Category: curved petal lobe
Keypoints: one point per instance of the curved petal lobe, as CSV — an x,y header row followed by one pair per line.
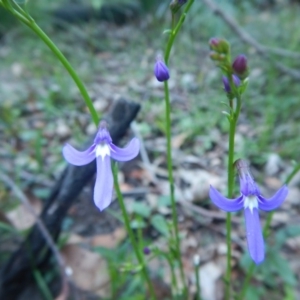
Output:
x,y
78,158
104,183
225,203
127,153
273,202
254,236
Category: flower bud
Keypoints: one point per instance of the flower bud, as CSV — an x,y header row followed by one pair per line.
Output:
x,y
220,46
161,71
226,84
213,43
223,46
146,250
214,56
175,5
239,65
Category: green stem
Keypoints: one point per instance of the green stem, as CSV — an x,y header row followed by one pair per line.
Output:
x,y
292,174
173,276
173,34
175,30
265,234
230,170
28,21
171,181
130,232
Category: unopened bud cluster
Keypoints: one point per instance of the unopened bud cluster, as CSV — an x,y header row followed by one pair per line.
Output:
x,y
237,70
220,50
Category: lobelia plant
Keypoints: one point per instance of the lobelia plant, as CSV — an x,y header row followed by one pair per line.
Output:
x,y
102,150
161,72
251,200
235,83
234,86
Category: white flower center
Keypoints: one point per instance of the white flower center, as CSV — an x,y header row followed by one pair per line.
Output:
x,y
102,150
250,202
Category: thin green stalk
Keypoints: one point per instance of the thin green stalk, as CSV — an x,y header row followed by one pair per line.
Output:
x,y
28,21
171,181
230,169
265,234
175,30
130,232
173,276
173,34
292,174
230,181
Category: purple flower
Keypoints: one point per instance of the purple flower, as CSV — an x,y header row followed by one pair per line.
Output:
x,y
251,200
102,149
161,71
226,84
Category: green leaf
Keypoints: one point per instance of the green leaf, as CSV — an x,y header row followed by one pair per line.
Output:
x,y
245,261
254,293
284,270
141,209
167,31
289,293
135,224
164,201
160,224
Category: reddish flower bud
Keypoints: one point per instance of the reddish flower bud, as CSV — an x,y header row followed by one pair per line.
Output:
x,y
239,65
220,46
213,43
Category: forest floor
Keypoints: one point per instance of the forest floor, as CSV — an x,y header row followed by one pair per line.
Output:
x,y
41,109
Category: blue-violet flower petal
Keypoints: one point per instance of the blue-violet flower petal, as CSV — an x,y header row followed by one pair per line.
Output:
x,y
273,202
102,149
124,154
224,203
78,158
255,239
251,200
